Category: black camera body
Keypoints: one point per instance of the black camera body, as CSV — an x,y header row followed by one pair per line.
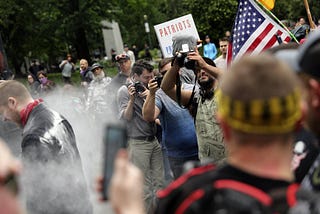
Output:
x,y
183,45
139,87
158,80
183,61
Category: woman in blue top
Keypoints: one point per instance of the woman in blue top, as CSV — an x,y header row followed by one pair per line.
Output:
x,y
209,49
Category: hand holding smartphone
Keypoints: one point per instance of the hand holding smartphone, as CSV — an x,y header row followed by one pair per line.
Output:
x,y
115,138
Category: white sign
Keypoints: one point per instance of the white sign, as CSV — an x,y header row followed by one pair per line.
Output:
x,y
180,26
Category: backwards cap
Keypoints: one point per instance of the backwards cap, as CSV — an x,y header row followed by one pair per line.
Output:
x,y
309,55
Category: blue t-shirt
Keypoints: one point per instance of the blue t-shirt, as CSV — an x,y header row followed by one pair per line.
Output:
x,y
178,130
210,51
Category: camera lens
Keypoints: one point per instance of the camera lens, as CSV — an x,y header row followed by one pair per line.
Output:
x,y
139,87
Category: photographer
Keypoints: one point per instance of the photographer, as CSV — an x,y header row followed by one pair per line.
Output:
x,y
144,149
178,130
202,101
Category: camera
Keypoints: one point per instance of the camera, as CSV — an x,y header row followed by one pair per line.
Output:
x,y
139,87
183,61
158,80
183,45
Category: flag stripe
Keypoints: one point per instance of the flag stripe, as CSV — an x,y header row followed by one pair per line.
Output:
x,y
270,43
260,38
273,41
253,31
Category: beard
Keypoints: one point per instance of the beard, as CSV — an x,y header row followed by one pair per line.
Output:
x,y
99,77
206,85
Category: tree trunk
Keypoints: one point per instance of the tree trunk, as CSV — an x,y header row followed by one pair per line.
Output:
x,y
81,45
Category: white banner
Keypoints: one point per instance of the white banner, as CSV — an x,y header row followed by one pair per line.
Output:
x,y
180,26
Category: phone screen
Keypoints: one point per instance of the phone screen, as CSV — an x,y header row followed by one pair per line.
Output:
x,y
114,139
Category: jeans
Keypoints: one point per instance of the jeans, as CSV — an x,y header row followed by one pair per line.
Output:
x,y
176,164
147,156
168,175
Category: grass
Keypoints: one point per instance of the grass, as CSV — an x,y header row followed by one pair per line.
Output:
x,y
109,69
75,78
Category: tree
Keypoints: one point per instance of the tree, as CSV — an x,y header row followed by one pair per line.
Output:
x,y
49,29
212,17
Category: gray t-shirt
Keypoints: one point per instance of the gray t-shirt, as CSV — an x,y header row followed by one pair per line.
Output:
x,y
137,127
187,76
66,69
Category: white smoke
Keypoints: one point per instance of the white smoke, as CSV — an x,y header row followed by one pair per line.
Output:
x,y
88,128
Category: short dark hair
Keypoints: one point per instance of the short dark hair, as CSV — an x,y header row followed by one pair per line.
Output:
x,y
224,39
141,65
164,61
42,72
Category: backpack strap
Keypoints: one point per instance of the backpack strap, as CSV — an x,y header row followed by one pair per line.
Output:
x,y
284,198
247,189
182,180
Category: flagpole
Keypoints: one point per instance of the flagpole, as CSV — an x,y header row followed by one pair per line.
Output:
x,y
306,4
282,25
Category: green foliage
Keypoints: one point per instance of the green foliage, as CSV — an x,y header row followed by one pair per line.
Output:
x,y
212,17
48,29
154,53
294,9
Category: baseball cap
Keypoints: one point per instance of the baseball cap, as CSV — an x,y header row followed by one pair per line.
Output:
x,y
96,65
122,57
289,56
308,56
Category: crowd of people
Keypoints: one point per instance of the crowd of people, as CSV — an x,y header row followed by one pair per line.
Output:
x,y
203,137
264,102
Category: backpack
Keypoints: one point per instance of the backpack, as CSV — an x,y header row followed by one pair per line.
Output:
x,y
226,196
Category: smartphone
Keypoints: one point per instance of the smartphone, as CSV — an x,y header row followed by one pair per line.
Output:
x,y
115,138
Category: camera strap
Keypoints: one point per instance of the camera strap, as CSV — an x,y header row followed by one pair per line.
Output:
x,y
178,91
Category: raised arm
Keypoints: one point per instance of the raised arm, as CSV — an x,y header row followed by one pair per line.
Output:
x,y
168,84
149,111
211,70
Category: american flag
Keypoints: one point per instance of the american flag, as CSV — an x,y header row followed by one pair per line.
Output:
x,y
253,31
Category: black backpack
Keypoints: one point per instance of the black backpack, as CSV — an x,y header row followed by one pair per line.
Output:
x,y
225,196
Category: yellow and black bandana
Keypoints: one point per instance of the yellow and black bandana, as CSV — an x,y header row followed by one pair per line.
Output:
x,y
271,116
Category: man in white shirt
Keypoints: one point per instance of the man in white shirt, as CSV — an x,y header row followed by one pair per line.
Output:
x,y
221,61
